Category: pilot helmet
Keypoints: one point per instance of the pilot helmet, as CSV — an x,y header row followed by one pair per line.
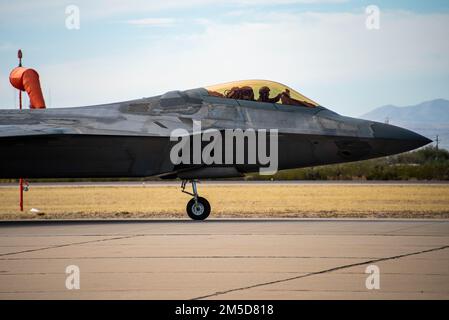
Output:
x,y
264,89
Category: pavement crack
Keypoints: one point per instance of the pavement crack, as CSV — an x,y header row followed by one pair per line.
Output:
x,y
67,245
412,227
218,293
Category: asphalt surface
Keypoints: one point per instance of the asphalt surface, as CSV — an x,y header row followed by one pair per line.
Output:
x,y
225,259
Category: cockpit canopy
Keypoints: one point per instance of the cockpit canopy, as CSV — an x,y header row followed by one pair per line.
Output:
x,y
260,91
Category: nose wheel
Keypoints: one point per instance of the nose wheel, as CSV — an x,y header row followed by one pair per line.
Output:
x,y
198,208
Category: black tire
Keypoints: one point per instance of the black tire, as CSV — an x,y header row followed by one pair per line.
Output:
x,y
200,213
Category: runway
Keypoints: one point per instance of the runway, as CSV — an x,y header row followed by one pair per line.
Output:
x,y
225,259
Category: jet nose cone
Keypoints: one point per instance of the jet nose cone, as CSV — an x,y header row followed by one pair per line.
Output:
x,y
396,140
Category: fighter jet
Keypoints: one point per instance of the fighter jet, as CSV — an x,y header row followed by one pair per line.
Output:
x,y
138,138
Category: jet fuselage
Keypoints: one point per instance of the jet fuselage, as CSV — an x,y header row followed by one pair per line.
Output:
x,y
132,138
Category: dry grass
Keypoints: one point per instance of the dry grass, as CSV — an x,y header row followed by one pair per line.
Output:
x,y
397,201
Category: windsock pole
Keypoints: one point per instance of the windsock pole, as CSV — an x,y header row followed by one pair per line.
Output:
x,y
19,55
21,193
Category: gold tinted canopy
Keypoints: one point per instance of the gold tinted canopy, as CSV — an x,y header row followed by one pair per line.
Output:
x,y
260,91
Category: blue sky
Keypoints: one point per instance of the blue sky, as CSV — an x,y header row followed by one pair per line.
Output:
x,y
130,49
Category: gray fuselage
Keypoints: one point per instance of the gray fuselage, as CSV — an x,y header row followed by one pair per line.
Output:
x,y
132,138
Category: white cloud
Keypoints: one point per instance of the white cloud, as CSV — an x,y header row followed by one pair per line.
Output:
x,y
159,22
143,5
51,11
6,46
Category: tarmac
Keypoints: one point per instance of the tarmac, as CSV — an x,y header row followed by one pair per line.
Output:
x,y
225,259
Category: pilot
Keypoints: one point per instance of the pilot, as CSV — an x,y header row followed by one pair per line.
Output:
x,y
264,95
233,93
246,93
242,93
287,99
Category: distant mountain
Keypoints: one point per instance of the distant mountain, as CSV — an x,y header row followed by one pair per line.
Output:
x,y
430,118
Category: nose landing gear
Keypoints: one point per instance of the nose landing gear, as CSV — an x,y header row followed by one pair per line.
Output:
x,y
198,208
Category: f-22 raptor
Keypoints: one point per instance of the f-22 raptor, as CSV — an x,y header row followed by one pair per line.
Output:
x,y
136,138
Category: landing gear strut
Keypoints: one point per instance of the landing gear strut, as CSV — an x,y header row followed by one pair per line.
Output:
x,y
198,208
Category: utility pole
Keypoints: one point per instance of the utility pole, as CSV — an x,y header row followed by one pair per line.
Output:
x,y
437,140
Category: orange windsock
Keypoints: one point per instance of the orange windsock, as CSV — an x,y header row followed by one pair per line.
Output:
x,y
28,80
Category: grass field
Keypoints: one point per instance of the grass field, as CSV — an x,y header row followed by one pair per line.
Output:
x,y
396,201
